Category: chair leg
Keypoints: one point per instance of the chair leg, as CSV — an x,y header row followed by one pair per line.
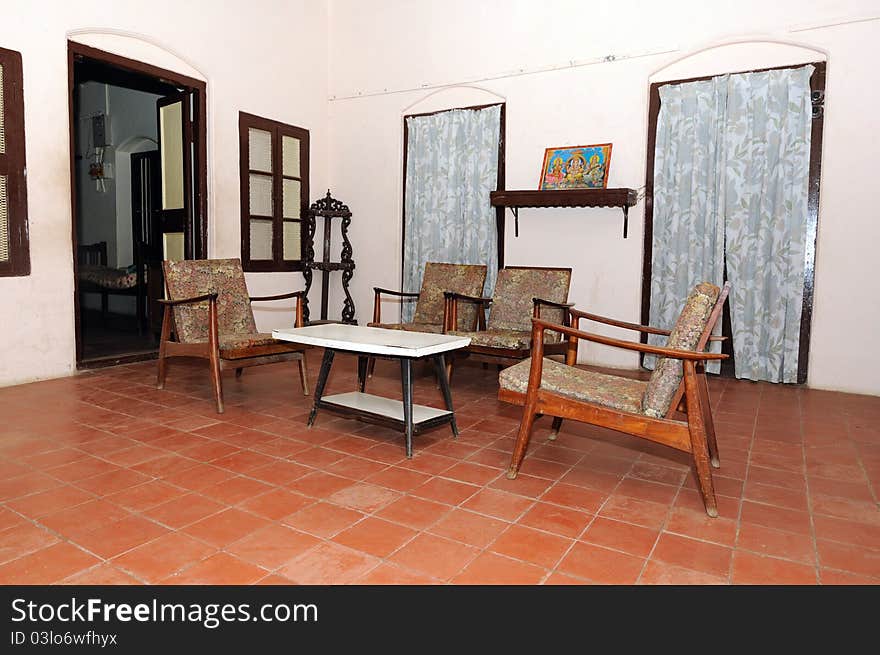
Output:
x,y
303,375
712,442
216,382
699,445
162,368
522,440
554,429
163,339
238,373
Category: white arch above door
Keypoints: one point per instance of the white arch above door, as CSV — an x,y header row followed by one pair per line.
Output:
x,y
139,47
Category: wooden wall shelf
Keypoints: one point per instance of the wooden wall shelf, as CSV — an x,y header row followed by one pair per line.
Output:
x,y
619,197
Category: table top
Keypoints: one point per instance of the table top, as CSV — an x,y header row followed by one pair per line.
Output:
x,y
372,340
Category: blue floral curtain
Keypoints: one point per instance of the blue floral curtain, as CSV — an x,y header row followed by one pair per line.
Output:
x,y
767,142
451,166
730,187
688,238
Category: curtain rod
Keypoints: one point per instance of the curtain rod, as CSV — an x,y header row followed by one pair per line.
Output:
x,y
574,63
580,63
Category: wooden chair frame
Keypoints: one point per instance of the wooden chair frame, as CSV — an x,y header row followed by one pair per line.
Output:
x,y
502,356
237,359
695,435
377,300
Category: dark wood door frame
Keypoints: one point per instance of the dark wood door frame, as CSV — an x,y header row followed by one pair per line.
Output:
x,y
499,211
817,96
77,52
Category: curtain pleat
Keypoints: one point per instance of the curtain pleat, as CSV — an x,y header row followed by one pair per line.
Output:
x,y
730,187
451,166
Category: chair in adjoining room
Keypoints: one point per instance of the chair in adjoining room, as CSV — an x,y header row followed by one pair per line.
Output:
x,y
644,409
430,302
521,293
209,312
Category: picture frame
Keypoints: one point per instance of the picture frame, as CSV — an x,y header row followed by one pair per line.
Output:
x,y
576,167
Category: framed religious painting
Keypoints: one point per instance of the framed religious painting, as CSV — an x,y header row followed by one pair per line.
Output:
x,y
576,167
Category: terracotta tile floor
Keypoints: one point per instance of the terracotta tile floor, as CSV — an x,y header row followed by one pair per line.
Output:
x,y
105,480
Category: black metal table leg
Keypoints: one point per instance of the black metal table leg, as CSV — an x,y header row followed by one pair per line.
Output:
x,y
362,372
322,381
406,381
440,367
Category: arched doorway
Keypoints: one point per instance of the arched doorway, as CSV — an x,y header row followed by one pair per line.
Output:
x,y
117,264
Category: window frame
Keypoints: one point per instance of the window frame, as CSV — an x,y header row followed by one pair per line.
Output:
x,y
278,130
14,166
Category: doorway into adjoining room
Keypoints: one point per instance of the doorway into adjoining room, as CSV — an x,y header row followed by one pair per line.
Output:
x,y
138,196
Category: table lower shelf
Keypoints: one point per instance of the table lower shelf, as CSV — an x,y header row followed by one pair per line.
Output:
x,y
384,411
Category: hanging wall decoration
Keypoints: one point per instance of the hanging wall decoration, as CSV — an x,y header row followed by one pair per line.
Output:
x,y
576,167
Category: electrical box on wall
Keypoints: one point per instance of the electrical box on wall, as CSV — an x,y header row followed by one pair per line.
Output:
x,y
100,130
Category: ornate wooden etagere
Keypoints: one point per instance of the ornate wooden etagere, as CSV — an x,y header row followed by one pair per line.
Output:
x,y
328,208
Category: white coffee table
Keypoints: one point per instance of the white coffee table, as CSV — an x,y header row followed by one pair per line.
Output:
x,y
369,342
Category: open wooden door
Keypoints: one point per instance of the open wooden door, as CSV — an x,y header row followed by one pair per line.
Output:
x,y
176,201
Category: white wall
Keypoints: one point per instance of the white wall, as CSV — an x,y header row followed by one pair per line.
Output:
x,y
387,57
267,57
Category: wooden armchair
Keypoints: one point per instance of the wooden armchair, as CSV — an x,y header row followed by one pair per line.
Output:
x,y
521,293
635,407
93,254
209,311
430,314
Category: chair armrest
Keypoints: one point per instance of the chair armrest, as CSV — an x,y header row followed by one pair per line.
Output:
x,y
299,295
550,303
538,326
168,318
455,296
450,309
187,301
647,329
577,315
402,294
282,296
377,300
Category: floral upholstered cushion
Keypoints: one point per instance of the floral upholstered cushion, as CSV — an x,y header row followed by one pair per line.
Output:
x,y
108,278
512,306
514,339
410,327
238,341
685,335
607,390
197,277
460,278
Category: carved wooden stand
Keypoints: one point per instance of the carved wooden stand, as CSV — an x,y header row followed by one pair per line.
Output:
x,y
329,208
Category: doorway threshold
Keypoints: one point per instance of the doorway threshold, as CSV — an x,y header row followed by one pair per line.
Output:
x,y
115,360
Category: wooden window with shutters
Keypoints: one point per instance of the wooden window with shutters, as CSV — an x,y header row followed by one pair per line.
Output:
x,y
14,246
274,166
